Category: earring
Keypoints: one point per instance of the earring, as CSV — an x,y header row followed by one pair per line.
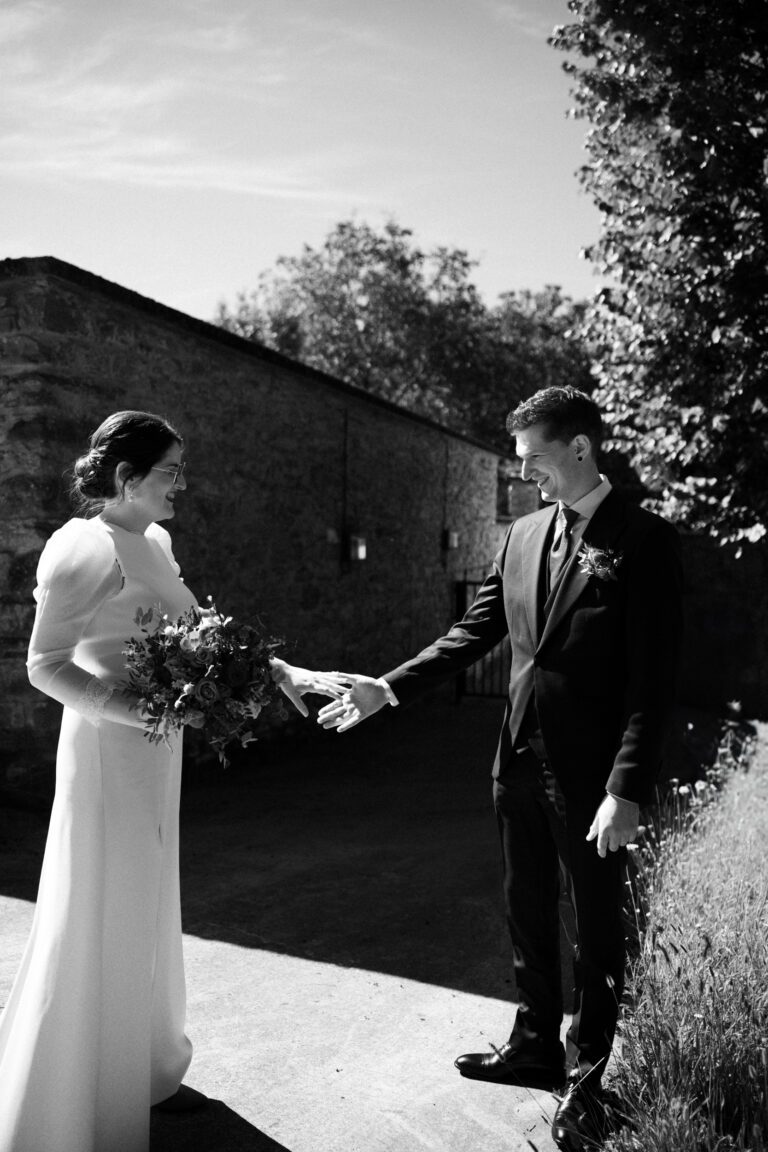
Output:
x,y
130,494
579,458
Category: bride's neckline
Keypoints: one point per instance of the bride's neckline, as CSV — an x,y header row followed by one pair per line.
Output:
x,y
114,524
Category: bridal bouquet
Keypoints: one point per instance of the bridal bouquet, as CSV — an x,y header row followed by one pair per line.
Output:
x,y
204,670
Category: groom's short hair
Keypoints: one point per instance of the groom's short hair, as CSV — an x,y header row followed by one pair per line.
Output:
x,y
565,411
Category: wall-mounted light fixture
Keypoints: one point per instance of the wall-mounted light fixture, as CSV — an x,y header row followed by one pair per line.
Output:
x,y
450,539
357,549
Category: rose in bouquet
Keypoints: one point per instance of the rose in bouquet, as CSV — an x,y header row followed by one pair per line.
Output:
x,y
204,670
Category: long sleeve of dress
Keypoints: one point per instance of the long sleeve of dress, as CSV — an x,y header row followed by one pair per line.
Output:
x,y
77,572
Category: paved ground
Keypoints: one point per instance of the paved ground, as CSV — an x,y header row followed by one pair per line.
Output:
x,y
344,941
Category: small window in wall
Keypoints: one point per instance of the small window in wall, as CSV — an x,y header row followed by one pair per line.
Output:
x,y
514,496
506,476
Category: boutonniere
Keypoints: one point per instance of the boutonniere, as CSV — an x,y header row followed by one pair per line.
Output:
x,y
599,562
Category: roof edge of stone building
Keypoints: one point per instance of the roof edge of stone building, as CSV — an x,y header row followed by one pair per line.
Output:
x,y
20,266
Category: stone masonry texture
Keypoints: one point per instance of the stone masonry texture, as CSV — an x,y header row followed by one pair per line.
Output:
x,y
284,464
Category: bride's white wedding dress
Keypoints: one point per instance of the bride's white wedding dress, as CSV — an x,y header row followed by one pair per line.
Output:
x,y
93,1031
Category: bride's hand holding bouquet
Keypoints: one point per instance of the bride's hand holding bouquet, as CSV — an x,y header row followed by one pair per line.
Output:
x,y
208,671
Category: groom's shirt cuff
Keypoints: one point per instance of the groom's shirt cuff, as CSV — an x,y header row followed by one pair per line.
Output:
x,y
620,799
393,700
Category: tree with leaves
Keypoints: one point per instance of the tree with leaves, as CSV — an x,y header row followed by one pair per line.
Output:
x,y
370,307
677,95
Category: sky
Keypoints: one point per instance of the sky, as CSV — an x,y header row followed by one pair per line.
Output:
x,y
179,147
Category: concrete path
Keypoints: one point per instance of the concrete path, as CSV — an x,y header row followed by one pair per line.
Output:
x,y
344,941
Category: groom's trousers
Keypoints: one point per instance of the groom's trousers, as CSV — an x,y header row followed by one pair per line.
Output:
x,y
544,847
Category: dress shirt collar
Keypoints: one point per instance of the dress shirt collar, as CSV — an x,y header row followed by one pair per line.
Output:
x,y
589,504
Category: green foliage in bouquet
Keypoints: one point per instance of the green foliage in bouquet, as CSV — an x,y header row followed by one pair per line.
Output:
x,y
204,670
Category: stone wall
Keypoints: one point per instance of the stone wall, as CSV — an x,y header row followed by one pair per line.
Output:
x,y
284,463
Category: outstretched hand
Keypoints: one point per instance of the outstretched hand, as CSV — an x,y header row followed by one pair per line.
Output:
x,y
364,696
296,682
615,824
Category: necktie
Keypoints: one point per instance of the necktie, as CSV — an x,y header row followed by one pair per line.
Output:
x,y
561,545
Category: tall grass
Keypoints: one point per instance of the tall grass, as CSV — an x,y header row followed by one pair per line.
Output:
x,y
691,1072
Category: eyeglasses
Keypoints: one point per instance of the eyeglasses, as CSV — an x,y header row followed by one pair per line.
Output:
x,y
174,470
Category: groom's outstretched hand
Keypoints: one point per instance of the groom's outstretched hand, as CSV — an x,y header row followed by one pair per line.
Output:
x,y
365,696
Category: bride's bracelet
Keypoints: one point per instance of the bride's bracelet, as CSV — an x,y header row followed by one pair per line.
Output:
x,y
93,700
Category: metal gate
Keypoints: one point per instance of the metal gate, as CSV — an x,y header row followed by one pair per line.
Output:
x,y
488,677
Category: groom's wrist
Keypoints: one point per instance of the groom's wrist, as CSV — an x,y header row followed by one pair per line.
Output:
x,y
621,799
391,698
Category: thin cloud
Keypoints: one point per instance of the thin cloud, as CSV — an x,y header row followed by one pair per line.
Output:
x,y
166,162
139,102
18,21
316,34
96,100
223,39
55,95
520,18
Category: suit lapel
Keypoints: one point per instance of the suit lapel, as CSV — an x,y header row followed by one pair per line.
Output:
x,y
534,555
603,531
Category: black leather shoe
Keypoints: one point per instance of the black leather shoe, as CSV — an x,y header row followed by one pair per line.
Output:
x,y
580,1120
519,1065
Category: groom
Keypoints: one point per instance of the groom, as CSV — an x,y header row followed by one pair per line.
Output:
x,y
589,590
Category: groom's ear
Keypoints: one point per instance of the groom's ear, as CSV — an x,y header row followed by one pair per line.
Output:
x,y
581,445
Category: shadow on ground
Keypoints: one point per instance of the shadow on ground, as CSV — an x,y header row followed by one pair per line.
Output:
x,y
216,1129
373,849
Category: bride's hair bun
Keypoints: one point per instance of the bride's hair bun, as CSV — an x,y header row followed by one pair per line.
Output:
x,y
91,482
138,439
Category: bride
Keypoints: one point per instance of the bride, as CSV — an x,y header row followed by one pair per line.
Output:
x,y
93,1031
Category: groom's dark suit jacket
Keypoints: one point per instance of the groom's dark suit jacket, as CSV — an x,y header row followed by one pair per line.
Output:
x,y
597,661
